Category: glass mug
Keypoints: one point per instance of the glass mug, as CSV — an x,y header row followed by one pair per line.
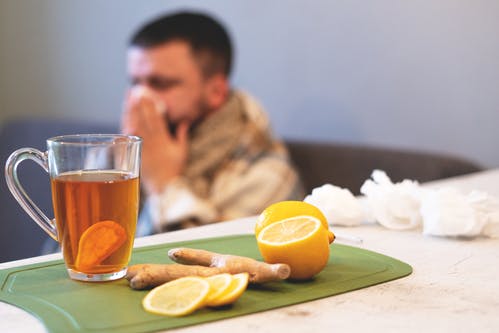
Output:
x,y
95,194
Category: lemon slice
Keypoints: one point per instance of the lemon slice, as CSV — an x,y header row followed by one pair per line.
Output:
x,y
218,285
178,297
97,243
233,292
301,242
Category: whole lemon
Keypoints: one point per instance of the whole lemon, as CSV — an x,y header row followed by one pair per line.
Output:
x,y
285,209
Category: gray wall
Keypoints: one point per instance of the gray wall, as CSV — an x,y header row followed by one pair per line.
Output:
x,y
413,74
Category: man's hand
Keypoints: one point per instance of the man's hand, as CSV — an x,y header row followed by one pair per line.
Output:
x,y
164,156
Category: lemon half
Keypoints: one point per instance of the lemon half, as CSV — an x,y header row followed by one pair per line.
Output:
x,y
301,242
286,209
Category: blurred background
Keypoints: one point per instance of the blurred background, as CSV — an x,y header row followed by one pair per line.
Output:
x,y
406,74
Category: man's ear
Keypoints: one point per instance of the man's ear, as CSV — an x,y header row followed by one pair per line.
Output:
x,y
217,90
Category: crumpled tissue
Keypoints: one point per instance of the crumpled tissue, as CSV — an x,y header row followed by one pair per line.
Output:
x,y
139,91
407,205
442,212
395,206
448,212
338,205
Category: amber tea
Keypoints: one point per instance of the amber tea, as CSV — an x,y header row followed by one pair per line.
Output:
x,y
95,213
95,194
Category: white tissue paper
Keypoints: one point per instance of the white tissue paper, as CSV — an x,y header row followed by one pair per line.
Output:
x,y
338,205
141,91
406,205
395,206
486,207
447,212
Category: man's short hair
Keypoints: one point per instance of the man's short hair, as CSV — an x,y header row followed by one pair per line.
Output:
x,y
208,39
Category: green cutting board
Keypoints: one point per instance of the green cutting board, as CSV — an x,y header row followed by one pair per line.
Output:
x,y
64,305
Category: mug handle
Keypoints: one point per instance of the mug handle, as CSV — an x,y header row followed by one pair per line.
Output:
x,y
18,191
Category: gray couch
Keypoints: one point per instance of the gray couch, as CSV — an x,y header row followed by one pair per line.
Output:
x,y
348,165
318,163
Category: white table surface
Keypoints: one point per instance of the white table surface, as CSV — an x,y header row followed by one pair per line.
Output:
x,y
454,286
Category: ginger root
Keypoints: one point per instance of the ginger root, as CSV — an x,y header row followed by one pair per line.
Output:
x,y
194,262
145,276
259,272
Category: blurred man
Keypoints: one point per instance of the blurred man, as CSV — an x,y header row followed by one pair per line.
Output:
x,y
208,152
